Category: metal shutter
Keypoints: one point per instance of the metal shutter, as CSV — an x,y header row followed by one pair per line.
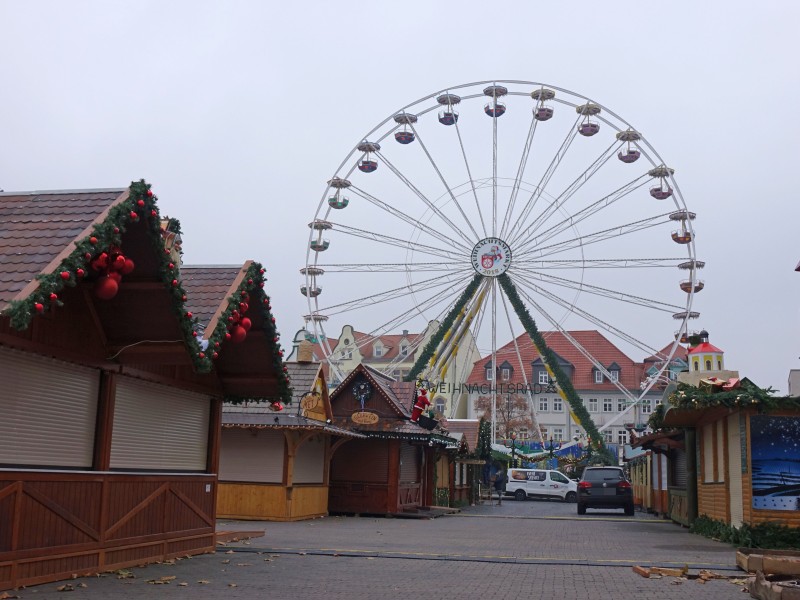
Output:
x,y
252,455
47,411
708,453
409,463
309,461
679,469
159,427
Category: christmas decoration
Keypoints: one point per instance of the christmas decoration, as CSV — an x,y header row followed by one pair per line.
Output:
x,y
106,288
276,406
745,394
64,275
238,334
247,324
420,405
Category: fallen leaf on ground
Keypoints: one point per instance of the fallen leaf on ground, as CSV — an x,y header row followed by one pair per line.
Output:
x,y
203,582
124,574
226,561
67,587
232,585
81,584
7,596
183,584
244,564
229,552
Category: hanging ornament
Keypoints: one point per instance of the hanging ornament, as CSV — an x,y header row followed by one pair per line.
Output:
x,y
39,307
128,267
140,203
188,315
201,355
101,262
134,215
115,276
106,288
238,334
116,229
119,262
246,323
53,297
174,283
227,336
276,406
243,306
93,240
81,273
249,282
149,193
64,275
153,213
215,356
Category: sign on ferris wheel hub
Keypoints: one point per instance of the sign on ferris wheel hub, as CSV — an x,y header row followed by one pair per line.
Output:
x,y
491,257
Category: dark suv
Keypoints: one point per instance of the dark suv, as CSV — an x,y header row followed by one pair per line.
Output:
x,y
604,487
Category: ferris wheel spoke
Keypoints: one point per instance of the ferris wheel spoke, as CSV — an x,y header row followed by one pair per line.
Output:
x,y
424,198
385,296
579,347
570,191
523,161
596,237
414,267
393,241
523,370
402,216
548,174
584,213
531,275
599,263
584,314
471,179
441,177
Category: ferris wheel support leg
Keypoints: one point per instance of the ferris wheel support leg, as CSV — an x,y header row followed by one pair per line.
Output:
x,y
447,323
550,360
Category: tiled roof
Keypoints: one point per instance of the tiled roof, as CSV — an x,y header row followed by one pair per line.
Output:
x,y
470,428
302,377
268,419
207,288
705,347
37,227
593,341
680,352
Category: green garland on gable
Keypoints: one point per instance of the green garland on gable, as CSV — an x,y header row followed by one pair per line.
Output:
x,y
139,208
251,290
484,446
550,358
436,339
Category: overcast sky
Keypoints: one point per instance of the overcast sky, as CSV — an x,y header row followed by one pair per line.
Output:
x,y
238,112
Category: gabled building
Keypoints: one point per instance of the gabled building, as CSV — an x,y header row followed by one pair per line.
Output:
x,y
111,411
598,389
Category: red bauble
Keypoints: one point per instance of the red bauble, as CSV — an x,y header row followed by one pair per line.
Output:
x,y
92,240
246,323
201,355
188,315
116,229
88,256
276,406
261,285
80,272
39,307
194,334
244,295
119,263
140,203
64,275
129,266
115,276
243,306
53,297
215,356
235,314
149,193
261,271
238,334
216,344
170,266
106,288
227,336
174,283
153,213
249,282
183,297
134,216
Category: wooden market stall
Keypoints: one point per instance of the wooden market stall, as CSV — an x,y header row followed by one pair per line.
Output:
x,y
467,465
660,476
393,469
111,411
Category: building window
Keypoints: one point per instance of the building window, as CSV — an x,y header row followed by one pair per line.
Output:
x,y
608,405
647,407
558,406
505,374
542,404
489,374
440,405
708,365
558,434
673,375
719,365
622,437
621,405
608,436
598,377
378,351
404,350
543,430
523,433
614,375
544,378
592,404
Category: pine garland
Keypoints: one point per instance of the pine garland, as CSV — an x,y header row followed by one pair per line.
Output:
x,y
436,339
747,395
484,447
551,360
251,290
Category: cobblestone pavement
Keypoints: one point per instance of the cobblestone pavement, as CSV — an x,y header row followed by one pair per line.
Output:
x,y
532,549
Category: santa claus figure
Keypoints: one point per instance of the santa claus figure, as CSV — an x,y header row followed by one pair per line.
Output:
x,y
421,404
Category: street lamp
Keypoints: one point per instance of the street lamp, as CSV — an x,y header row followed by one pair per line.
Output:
x,y
514,446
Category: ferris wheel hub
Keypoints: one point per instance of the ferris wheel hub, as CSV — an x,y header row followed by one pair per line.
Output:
x,y
491,257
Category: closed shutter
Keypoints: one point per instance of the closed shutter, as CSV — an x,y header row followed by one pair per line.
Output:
x,y
48,410
252,455
708,453
679,469
159,427
409,463
361,460
309,461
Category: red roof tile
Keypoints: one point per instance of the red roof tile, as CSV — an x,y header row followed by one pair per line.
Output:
x,y
704,347
36,227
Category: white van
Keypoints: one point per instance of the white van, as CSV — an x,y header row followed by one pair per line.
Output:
x,y
540,483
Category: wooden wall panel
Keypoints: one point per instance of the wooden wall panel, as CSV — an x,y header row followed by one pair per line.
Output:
x,y
62,525
309,501
251,501
712,500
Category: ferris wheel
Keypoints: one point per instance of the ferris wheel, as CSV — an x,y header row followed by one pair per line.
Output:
x,y
489,206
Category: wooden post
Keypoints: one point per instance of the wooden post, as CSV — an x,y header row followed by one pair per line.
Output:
x,y
214,436
104,425
393,477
